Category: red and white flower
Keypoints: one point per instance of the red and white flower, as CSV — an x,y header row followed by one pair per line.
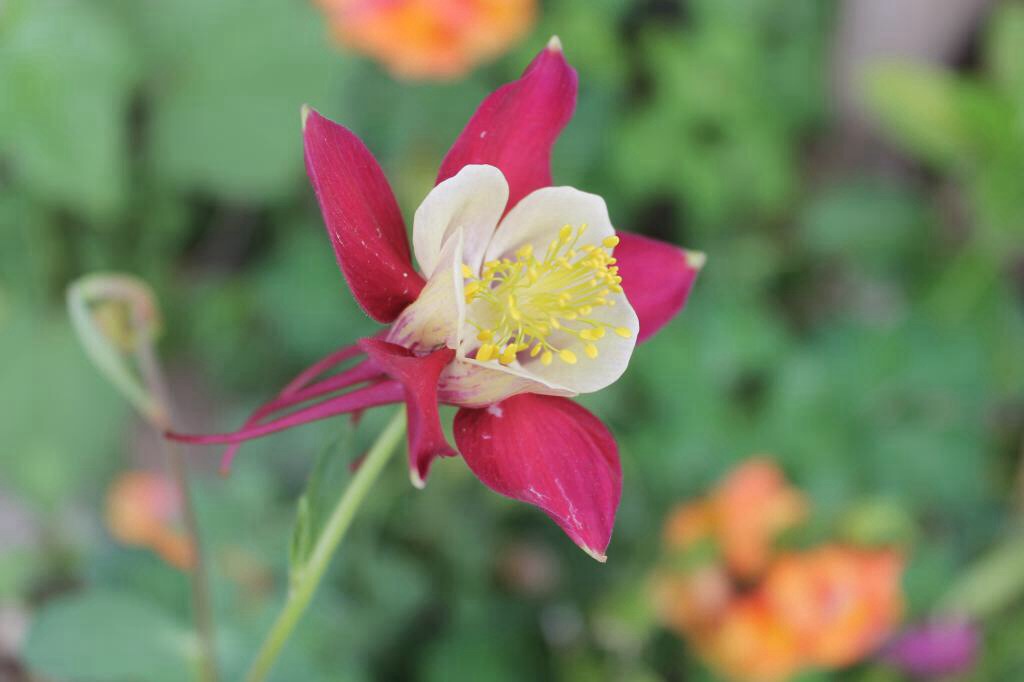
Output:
x,y
525,296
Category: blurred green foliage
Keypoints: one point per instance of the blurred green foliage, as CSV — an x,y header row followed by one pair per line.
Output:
x,y
847,324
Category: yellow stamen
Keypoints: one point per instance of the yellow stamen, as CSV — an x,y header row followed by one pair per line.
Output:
x,y
623,332
543,302
486,352
508,355
466,271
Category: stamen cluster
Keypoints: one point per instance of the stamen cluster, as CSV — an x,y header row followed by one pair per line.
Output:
x,y
545,305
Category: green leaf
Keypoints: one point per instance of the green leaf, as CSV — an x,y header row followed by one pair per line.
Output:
x,y
703,132
993,583
60,429
325,485
1005,48
918,106
65,73
873,223
469,650
106,636
233,77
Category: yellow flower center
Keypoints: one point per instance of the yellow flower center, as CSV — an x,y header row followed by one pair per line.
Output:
x,y
525,303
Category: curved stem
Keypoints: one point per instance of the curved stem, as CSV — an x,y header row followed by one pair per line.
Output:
x,y
305,581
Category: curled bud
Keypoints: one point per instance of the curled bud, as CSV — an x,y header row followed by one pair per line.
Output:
x,y
117,320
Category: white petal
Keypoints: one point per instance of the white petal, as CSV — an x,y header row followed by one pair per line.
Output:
x,y
472,200
537,220
468,383
591,374
437,317
539,217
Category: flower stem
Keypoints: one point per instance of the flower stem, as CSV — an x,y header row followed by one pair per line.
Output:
x,y
305,581
202,601
199,579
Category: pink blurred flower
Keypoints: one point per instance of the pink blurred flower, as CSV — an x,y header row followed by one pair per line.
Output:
x,y
935,649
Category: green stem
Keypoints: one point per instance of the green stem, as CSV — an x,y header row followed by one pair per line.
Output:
x,y
202,601
144,387
199,579
305,581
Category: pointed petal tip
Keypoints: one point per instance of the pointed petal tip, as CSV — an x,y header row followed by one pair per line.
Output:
x,y
362,218
416,480
550,453
696,259
304,112
515,127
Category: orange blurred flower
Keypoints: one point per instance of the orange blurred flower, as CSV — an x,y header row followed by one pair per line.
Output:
x,y
743,516
694,601
840,601
760,616
752,507
142,510
429,38
752,643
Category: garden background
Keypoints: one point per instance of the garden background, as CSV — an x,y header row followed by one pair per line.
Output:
x,y
853,171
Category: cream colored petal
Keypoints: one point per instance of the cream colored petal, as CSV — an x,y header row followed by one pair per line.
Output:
x,y
591,374
539,217
473,201
528,374
468,383
437,317
537,220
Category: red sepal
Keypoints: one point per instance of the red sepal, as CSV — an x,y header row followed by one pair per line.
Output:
x,y
657,278
418,375
551,453
516,126
362,218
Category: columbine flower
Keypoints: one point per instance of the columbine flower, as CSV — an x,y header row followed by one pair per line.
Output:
x,y
429,38
525,296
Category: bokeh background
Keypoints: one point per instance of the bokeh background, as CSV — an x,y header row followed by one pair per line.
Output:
x,y
853,170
